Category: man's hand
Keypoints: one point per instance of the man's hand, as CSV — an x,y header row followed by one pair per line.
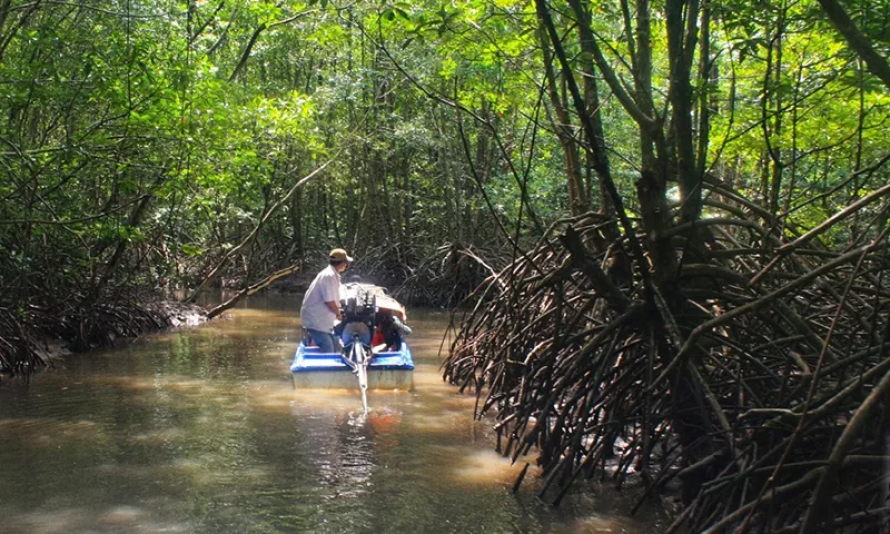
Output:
x,y
334,307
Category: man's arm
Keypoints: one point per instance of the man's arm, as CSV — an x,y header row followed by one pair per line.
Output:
x,y
334,307
404,329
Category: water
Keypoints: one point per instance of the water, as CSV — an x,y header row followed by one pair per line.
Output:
x,y
200,431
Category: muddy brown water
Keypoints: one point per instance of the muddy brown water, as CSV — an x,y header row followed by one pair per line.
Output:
x,y
201,431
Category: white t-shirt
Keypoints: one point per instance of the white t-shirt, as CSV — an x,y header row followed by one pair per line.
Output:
x,y
314,313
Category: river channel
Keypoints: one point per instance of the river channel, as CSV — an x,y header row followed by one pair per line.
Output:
x,y
200,431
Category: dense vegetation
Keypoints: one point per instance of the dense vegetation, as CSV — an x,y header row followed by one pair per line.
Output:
x,y
680,206
722,328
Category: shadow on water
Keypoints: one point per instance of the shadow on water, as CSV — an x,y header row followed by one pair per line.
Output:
x,y
200,431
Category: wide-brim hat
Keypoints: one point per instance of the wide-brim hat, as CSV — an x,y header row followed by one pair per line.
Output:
x,y
339,254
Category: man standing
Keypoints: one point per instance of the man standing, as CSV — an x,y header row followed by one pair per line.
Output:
x,y
321,304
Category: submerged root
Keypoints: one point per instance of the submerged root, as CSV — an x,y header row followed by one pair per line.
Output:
x,y
737,376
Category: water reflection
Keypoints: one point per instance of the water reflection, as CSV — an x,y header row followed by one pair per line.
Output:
x,y
200,431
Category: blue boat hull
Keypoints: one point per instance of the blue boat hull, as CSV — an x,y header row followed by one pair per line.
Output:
x,y
312,369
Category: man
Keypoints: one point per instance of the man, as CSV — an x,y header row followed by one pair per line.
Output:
x,y
390,330
321,304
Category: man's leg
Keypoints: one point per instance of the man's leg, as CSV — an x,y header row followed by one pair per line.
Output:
x,y
324,340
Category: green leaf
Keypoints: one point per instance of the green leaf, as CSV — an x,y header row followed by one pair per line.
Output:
x,y
193,251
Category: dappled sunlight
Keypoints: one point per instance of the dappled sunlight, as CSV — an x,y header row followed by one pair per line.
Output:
x,y
144,385
160,437
328,399
441,423
264,316
271,395
201,387
83,429
120,517
457,401
137,384
50,521
598,525
40,434
115,519
484,467
17,424
213,470
240,328
210,470
608,520
190,466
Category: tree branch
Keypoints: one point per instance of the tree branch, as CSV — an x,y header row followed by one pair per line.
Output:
x,y
860,44
247,240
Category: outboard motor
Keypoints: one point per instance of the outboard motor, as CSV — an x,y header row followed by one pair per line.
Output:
x,y
359,311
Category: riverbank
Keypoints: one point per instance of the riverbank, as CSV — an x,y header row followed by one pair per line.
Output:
x,y
32,339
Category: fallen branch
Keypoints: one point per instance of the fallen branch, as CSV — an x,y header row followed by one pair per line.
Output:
x,y
248,291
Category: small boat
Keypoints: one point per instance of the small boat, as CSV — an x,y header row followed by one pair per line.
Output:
x,y
386,370
388,365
